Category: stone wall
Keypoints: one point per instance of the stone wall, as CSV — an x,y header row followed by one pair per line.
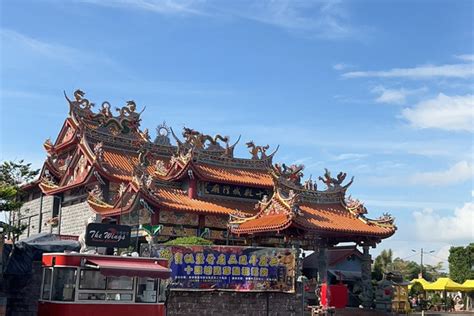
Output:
x,y
217,303
30,215
74,218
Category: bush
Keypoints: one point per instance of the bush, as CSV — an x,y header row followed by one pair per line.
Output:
x,y
189,241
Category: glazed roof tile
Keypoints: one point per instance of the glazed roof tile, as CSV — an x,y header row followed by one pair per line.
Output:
x,y
269,222
177,199
335,217
316,217
251,177
121,163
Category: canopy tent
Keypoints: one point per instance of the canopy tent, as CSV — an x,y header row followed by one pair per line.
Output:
x,y
444,284
468,285
422,282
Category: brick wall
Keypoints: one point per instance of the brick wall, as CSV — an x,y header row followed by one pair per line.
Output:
x,y
233,303
74,218
30,215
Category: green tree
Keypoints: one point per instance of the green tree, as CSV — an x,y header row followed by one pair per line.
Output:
x,y
409,269
461,262
382,264
12,176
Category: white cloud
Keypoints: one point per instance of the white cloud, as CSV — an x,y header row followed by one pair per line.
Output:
x,y
458,173
341,66
394,96
17,43
431,226
420,72
454,113
185,7
465,57
323,19
350,156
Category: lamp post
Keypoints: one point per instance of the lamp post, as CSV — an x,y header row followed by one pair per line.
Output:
x,y
421,260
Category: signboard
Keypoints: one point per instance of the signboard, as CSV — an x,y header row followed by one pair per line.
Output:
x,y
229,267
108,235
236,191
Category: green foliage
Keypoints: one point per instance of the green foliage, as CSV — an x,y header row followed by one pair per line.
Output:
x,y
409,269
416,289
461,260
12,176
382,264
17,173
189,241
8,198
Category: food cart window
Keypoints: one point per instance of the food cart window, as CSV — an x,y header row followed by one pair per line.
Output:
x,y
46,284
92,280
64,284
119,296
119,283
146,290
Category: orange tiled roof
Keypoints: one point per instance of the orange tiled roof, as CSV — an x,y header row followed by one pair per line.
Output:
x,y
250,177
120,164
313,217
274,222
177,199
336,218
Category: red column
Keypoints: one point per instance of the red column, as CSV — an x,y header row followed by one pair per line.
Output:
x,y
192,190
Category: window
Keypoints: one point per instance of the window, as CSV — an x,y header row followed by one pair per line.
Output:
x,y
64,284
119,296
92,280
91,296
146,290
119,283
46,284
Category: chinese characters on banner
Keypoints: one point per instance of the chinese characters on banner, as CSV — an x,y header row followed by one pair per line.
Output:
x,y
229,267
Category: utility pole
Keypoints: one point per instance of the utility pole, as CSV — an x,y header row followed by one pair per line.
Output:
x,y
420,275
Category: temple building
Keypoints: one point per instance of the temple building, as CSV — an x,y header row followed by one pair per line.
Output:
x,y
104,168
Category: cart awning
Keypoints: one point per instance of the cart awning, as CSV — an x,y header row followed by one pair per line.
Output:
x,y
131,268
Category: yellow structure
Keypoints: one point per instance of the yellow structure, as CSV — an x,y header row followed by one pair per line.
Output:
x,y
422,281
444,284
468,285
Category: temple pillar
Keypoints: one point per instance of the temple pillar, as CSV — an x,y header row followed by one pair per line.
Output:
x,y
322,261
367,294
322,265
192,189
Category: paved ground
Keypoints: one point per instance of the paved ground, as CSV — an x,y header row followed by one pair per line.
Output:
x,y
443,314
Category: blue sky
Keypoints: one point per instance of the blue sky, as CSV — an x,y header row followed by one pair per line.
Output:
x,y
379,89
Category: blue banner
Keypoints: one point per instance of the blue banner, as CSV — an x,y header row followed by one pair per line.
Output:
x,y
229,267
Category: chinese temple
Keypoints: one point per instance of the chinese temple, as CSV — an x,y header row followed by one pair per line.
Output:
x,y
104,167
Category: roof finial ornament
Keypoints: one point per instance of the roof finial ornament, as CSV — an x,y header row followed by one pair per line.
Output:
x,y
256,150
162,135
79,100
310,185
333,184
292,173
145,135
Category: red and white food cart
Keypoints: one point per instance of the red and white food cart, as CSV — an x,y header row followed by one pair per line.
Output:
x,y
89,285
